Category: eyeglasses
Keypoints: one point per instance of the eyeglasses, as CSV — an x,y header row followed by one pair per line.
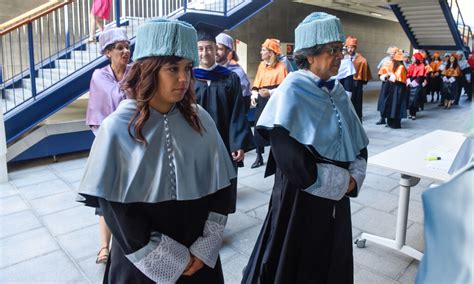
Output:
x,y
334,50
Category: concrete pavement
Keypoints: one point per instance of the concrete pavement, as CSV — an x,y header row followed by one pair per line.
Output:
x,y
47,237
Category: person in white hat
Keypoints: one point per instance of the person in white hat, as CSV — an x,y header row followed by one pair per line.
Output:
x,y
225,56
318,156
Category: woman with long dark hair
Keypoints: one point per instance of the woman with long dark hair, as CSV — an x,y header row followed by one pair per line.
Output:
x,y
451,76
159,169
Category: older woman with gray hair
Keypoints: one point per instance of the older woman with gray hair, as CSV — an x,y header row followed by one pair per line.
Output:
x,y
319,159
104,97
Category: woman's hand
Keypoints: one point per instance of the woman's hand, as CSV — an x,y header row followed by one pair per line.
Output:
x,y
264,92
352,185
253,98
194,265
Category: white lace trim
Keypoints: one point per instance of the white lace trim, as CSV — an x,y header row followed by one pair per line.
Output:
x,y
207,247
357,169
166,263
332,182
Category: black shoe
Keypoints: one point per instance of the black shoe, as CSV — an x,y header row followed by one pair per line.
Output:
x,y
381,121
258,162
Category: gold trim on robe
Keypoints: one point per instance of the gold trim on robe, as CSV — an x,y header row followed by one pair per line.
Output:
x,y
401,74
452,72
362,68
269,75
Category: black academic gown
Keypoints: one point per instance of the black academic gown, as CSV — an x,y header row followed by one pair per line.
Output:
x,y
222,99
131,225
301,241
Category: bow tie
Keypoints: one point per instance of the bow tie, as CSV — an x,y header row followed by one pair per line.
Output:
x,y
328,84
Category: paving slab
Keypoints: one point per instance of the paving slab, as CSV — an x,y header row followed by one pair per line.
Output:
x,y
93,271
54,203
55,268
82,243
382,183
258,182
415,237
363,275
375,222
409,275
7,189
31,178
43,189
384,261
250,199
377,199
25,246
17,223
70,220
238,222
260,212
12,204
244,241
233,269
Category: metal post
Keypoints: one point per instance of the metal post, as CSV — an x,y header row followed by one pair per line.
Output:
x,y
185,5
117,13
406,182
3,151
225,8
67,38
31,53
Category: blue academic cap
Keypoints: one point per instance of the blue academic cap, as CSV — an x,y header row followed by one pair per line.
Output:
x,y
318,28
164,37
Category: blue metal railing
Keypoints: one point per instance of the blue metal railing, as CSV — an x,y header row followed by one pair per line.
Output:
x,y
40,53
464,30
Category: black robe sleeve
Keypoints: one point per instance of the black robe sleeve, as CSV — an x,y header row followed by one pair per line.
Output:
x,y
292,158
240,134
297,162
130,230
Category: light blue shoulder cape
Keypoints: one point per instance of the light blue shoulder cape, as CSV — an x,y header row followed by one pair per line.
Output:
x,y
120,169
313,116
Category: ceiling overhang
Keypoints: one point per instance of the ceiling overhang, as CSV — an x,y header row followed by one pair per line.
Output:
x,y
379,9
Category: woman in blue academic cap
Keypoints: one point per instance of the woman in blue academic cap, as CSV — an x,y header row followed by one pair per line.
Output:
x,y
165,203
319,159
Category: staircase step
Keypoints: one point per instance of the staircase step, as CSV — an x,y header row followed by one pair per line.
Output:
x,y
85,55
432,23
40,84
52,74
69,65
428,17
431,29
432,35
414,9
17,95
437,42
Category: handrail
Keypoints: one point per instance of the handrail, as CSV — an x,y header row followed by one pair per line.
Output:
x,y
465,28
32,15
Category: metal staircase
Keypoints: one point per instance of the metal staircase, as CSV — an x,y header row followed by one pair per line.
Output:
x,y
46,63
434,24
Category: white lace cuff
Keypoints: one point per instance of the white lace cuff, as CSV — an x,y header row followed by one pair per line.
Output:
x,y
207,247
357,169
163,259
332,182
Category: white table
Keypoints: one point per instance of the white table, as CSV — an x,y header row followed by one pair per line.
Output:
x,y
409,160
